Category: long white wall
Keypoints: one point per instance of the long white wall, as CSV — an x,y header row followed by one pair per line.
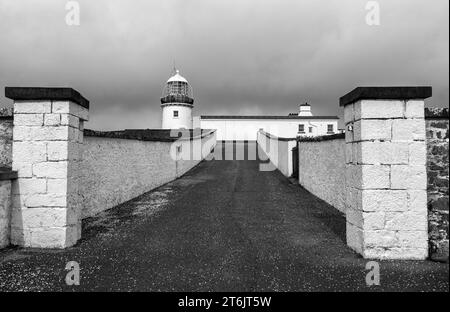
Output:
x,y
322,170
278,150
115,170
246,129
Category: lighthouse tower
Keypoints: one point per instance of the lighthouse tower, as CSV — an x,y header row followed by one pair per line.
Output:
x,y
177,102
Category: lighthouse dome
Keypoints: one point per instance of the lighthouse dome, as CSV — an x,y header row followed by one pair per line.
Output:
x,y
177,90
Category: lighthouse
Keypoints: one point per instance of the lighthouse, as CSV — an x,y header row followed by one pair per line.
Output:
x,y
177,103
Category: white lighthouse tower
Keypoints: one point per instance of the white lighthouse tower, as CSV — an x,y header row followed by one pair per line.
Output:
x,y
177,103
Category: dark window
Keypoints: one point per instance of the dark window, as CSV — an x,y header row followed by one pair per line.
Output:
x,y
330,128
301,128
175,113
310,129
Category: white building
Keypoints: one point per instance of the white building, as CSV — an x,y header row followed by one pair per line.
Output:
x,y
238,128
177,103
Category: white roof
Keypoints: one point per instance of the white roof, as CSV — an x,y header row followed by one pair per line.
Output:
x,y
177,77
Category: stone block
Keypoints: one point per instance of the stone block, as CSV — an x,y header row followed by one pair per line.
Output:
x,y
23,170
348,113
52,119
44,217
411,177
379,109
373,220
349,153
29,152
407,221
53,170
70,120
383,153
28,119
57,186
417,200
45,200
68,107
408,130
354,217
397,253
372,129
384,200
380,238
32,107
354,237
45,133
29,186
63,150
413,239
349,136
417,153
48,237
415,109
372,177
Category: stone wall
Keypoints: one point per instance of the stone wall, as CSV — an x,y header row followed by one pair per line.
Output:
x,y
6,176
322,168
6,124
278,150
116,168
437,129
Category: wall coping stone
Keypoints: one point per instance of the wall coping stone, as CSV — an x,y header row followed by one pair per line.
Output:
x,y
274,137
7,174
385,93
436,113
337,136
153,135
51,94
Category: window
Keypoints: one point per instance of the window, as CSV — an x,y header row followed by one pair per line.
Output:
x,y
175,114
301,128
330,129
310,129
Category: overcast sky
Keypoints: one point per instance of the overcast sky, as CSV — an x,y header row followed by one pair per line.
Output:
x,y
240,56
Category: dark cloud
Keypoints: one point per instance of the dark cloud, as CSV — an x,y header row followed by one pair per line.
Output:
x,y
254,57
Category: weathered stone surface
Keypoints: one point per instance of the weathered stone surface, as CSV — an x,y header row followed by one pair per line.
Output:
x,y
408,130
372,129
5,212
32,107
384,200
383,153
408,177
437,129
414,109
6,126
52,119
375,109
28,119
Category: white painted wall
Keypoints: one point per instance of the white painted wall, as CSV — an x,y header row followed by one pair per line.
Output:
x,y
246,129
322,170
114,171
278,151
184,119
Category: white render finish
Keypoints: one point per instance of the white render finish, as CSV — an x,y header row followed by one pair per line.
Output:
x,y
143,165
183,120
322,170
229,129
278,151
386,199
47,144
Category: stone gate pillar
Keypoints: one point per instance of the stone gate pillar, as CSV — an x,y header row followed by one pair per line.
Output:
x,y
386,201
47,146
